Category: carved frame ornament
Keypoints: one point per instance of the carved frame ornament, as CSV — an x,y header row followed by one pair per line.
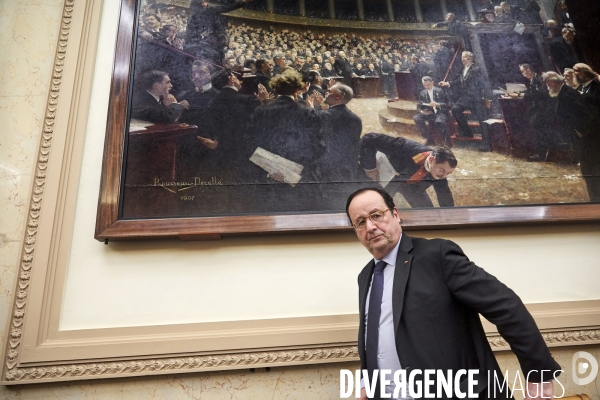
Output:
x,y
36,351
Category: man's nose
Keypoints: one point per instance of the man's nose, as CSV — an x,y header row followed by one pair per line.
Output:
x,y
371,226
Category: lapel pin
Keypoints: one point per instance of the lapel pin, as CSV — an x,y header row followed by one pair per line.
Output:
x,y
405,262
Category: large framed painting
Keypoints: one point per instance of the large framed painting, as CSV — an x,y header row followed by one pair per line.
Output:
x,y
263,116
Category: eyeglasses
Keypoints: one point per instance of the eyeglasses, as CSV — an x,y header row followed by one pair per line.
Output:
x,y
375,217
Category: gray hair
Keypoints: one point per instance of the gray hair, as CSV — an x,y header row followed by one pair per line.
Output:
x,y
553,76
345,91
468,54
426,79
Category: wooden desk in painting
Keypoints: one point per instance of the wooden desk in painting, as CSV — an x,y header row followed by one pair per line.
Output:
x,y
151,165
515,113
367,87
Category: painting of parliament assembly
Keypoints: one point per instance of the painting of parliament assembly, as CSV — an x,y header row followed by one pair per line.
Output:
x,y
273,107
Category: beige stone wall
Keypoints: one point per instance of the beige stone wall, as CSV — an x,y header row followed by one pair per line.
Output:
x,y
28,35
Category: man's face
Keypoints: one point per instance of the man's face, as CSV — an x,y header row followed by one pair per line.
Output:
x,y
568,35
164,87
267,67
332,96
371,67
439,170
235,82
200,75
467,60
428,85
152,22
569,75
505,7
580,74
527,73
341,54
449,17
378,238
171,32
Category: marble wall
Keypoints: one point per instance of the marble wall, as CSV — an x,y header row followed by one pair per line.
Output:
x,y
28,35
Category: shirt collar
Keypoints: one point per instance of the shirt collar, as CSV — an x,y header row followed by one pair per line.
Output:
x,y
588,83
204,88
231,87
426,164
390,258
155,96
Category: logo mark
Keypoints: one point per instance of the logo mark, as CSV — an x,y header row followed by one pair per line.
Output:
x,y
590,365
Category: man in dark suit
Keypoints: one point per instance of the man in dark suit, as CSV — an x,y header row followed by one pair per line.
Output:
x,y
302,66
227,118
456,28
388,81
418,71
316,83
500,17
541,116
295,132
419,307
589,86
432,108
582,125
342,67
153,101
473,92
194,151
340,172
565,50
264,73
418,167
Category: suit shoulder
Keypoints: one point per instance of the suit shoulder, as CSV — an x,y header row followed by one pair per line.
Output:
x,y
431,244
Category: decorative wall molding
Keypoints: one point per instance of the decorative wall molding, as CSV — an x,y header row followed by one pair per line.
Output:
x,y
186,364
13,346
554,339
182,364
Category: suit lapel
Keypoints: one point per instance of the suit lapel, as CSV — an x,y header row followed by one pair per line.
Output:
x,y
403,265
364,288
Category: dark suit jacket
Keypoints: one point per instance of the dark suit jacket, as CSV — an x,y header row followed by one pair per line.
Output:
x,y
536,95
565,55
145,107
293,131
262,79
581,124
199,102
472,85
341,131
591,96
437,298
227,118
439,96
400,153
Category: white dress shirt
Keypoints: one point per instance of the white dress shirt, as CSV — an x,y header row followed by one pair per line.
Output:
x,y
387,357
